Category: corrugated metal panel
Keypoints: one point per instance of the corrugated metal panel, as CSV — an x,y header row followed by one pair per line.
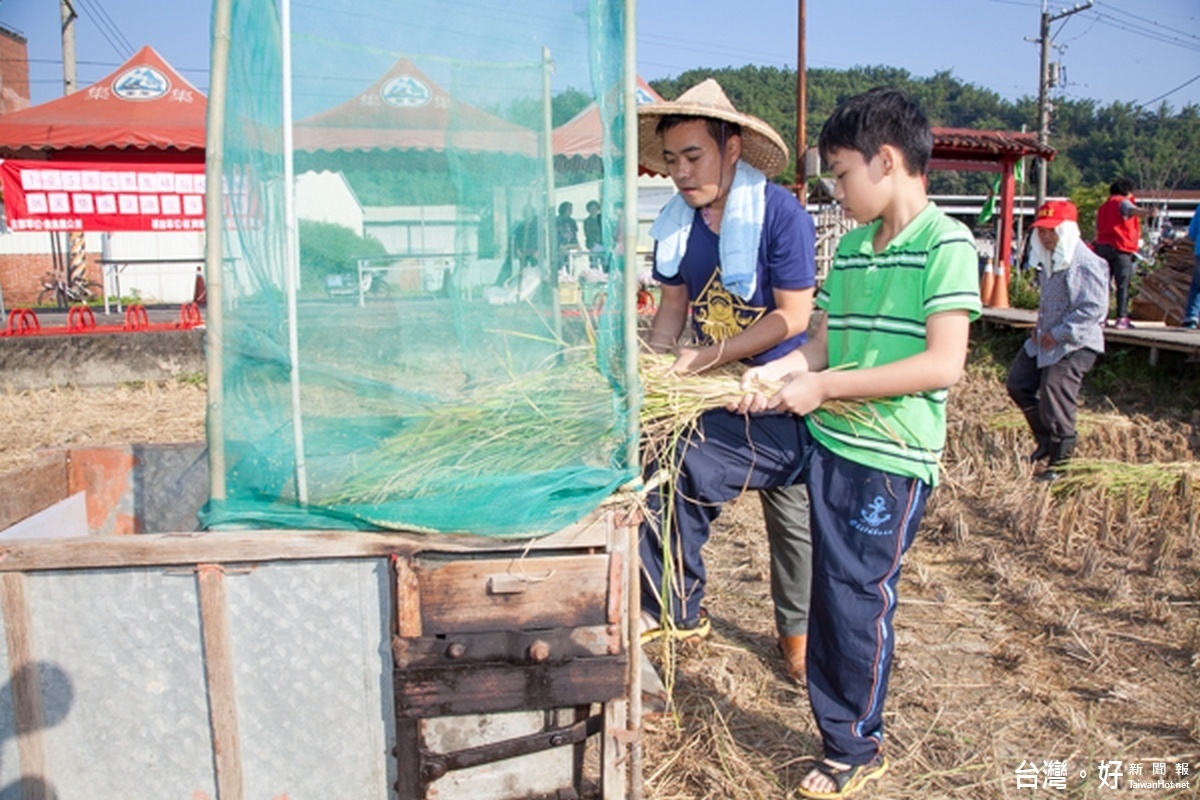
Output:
x,y
314,685
122,676
128,717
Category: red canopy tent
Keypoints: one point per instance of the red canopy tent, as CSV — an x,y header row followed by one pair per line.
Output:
x,y
144,111
123,154
405,110
582,136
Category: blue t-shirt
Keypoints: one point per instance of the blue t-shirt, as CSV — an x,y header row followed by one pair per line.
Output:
x,y
1194,230
786,260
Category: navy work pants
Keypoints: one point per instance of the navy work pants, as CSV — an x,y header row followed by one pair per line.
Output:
x,y
718,464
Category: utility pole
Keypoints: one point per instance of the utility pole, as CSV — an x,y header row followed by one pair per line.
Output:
x,y
801,107
76,268
70,83
1044,84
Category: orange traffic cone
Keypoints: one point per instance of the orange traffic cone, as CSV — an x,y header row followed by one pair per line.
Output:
x,y
988,285
1000,290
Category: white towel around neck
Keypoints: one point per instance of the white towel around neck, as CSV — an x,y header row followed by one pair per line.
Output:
x,y
741,231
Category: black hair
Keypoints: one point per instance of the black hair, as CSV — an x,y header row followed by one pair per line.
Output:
x,y
1121,186
565,207
720,130
880,116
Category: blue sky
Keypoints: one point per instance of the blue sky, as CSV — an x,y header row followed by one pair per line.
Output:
x,y
1131,51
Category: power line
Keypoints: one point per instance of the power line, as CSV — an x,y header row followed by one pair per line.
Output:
x,y
1137,29
1186,83
1155,23
108,29
694,47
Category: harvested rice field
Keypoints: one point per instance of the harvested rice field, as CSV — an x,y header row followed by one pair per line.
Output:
x,y
1054,629
1058,630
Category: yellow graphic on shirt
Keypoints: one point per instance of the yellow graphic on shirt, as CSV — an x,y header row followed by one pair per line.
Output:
x,y
720,314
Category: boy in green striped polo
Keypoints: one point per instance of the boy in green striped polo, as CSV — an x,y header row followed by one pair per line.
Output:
x,y
898,302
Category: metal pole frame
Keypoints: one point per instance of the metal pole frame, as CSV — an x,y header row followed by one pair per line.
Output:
x,y
550,236
214,150
291,251
629,222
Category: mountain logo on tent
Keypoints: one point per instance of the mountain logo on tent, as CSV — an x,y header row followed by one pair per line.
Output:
x,y
643,97
141,83
405,91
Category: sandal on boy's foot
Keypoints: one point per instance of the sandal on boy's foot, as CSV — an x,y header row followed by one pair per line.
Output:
x,y
697,628
847,779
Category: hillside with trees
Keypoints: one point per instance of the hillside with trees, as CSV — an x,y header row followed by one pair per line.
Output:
x,y
1154,147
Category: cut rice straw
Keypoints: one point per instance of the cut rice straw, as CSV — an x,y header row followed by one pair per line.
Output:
x,y
1139,480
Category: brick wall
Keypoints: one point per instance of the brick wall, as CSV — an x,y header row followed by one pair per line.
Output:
x,y
14,72
21,276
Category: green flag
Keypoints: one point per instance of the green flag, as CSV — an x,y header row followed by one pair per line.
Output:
x,y
989,205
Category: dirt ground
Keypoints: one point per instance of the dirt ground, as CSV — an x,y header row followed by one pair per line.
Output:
x,y
134,413
1054,630
1058,631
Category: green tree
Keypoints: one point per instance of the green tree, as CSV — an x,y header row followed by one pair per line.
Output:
x,y
1093,143
1087,200
563,106
329,249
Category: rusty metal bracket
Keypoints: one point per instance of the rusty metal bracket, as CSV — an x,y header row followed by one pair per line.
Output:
x,y
435,765
626,736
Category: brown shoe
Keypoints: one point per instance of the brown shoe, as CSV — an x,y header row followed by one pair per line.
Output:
x,y
793,649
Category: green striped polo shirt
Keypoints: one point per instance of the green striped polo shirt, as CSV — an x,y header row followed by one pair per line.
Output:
x,y
876,306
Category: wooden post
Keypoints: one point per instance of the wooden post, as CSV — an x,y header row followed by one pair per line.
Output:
x,y
29,715
218,672
1002,261
801,107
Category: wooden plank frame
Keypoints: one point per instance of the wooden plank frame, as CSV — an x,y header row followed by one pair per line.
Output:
x,y
596,541
28,709
226,547
219,675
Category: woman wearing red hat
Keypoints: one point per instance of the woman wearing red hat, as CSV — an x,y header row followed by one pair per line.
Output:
x,y
1045,377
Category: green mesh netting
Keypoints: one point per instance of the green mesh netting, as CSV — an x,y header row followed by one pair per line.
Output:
x,y
408,337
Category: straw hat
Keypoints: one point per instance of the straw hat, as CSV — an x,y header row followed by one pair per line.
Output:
x,y
762,147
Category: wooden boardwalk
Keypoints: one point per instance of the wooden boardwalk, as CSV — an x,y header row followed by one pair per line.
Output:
x,y
1154,336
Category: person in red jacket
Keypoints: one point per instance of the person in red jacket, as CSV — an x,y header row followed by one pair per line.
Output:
x,y
1118,235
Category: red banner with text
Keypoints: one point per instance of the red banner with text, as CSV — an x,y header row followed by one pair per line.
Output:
x,y
87,196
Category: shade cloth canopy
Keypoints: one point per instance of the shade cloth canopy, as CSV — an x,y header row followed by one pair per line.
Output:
x,y
144,105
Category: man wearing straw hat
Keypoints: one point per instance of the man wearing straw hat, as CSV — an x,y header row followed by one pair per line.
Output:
x,y
737,252
867,395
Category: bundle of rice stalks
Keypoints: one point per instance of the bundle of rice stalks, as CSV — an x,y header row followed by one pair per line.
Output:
x,y
1087,422
559,417
549,419
1138,480
553,418
672,402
